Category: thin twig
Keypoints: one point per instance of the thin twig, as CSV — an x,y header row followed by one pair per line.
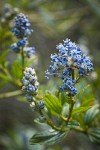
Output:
x,y
10,94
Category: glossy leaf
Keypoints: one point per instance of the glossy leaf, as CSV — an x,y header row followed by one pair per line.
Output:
x,y
40,120
80,110
31,60
48,137
53,104
94,135
91,114
85,95
4,77
16,70
3,56
73,124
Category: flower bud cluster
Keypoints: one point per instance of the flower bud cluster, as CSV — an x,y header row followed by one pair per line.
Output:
x,y
37,106
30,87
8,12
22,31
69,58
30,83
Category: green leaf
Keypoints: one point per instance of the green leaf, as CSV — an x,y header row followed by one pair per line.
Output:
x,y
4,77
94,135
47,112
82,87
40,120
16,70
91,114
80,110
3,56
73,124
7,35
85,94
31,60
53,104
48,137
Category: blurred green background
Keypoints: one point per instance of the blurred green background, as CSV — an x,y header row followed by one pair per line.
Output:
x,y
52,21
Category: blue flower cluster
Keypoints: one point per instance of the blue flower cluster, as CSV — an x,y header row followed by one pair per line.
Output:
x,y
22,26
22,31
30,87
8,12
69,59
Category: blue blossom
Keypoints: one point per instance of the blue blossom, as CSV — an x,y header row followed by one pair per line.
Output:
x,y
15,48
29,51
21,28
68,59
22,31
23,42
19,45
69,85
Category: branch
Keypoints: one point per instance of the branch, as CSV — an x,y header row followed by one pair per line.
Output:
x,y
10,94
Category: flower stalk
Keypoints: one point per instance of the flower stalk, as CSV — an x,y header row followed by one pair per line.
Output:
x,y
23,59
71,105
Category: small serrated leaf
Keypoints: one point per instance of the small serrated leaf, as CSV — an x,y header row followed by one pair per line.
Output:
x,y
40,120
73,124
50,107
80,110
4,77
3,56
31,60
91,114
94,135
53,104
48,137
85,94
16,70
